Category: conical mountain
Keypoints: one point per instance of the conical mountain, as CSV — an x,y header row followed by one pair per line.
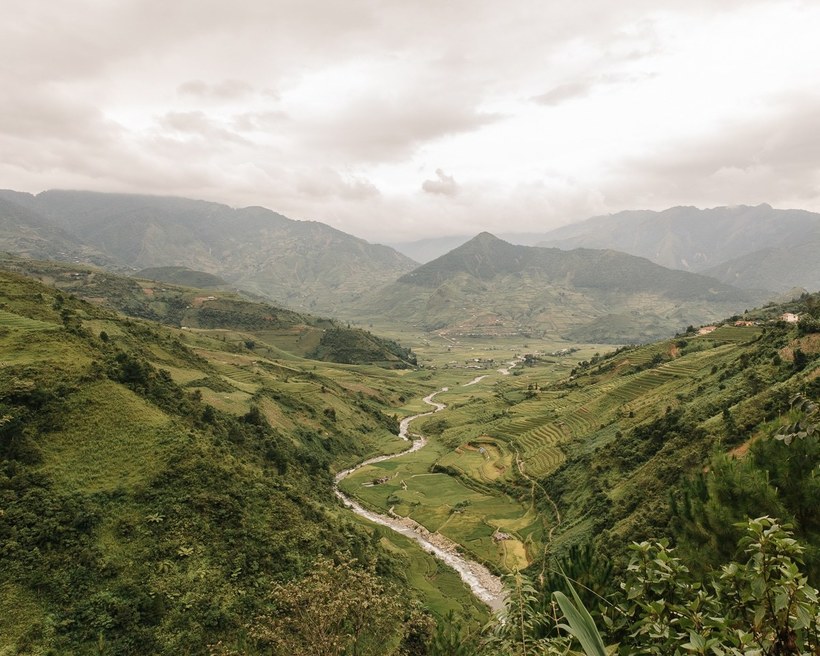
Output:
x,y
484,257
488,285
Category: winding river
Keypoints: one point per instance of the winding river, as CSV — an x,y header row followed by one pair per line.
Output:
x,y
485,585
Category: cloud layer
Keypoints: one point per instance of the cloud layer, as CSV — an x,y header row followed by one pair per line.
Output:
x,y
396,120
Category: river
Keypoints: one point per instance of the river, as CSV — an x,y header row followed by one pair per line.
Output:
x,y
484,584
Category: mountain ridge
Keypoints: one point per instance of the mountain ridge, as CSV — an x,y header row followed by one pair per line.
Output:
x,y
701,240
306,265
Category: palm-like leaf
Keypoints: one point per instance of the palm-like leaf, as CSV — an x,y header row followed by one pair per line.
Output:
x,y
581,624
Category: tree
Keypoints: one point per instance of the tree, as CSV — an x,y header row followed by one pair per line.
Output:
x,y
338,608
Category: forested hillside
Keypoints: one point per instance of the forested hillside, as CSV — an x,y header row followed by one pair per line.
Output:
x,y
168,490
159,487
250,322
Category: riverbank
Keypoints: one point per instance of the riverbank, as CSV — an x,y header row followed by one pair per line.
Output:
x,y
484,584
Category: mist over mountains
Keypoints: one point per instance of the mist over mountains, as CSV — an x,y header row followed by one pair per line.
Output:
x,y
755,247
751,247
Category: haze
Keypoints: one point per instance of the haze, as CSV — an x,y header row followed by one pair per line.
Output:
x,y
397,120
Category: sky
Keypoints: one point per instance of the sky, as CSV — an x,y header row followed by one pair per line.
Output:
x,y
397,120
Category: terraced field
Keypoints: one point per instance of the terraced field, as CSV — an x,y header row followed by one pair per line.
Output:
x,y
486,461
734,334
18,322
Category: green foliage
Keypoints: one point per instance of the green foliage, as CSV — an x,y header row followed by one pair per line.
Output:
x,y
580,624
761,605
777,477
336,609
137,518
352,346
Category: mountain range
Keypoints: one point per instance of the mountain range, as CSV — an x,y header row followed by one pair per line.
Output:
x,y
306,265
751,247
571,286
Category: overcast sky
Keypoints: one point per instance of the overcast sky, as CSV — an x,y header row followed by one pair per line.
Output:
x,y
402,119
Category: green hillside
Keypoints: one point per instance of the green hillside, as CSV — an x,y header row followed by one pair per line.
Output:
x,y
609,443
27,234
165,489
182,276
157,485
245,323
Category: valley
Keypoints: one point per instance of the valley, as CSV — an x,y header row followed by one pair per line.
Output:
x,y
172,452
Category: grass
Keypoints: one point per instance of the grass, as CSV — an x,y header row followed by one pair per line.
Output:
x,y
734,334
20,613
111,439
442,502
18,322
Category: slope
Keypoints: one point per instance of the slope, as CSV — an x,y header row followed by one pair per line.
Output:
x,y
774,268
156,485
609,450
302,264
28,234
242,322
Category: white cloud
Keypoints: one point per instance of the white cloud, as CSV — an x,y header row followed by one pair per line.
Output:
x,y
334,111
444,185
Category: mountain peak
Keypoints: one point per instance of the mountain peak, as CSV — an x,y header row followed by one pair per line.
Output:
x,y
483,257
482,241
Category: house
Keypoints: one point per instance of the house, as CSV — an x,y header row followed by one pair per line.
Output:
x,y
788,317
706,330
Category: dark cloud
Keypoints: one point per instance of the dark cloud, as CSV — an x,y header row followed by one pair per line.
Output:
x,y
224,91
444,184
563,92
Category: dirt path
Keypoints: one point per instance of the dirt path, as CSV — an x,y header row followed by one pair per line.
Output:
x,y
519,463
505,371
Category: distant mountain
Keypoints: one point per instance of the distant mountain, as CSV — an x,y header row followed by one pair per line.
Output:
x,y
698,240
26,233
303,264
778,269
490,286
